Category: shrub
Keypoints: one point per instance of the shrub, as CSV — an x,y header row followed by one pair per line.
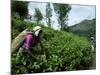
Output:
x,y
64,52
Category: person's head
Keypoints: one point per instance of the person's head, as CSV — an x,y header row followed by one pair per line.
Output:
x,y
40,32
37,31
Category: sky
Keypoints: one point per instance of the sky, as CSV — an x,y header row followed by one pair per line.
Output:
x,y
80,12
77,14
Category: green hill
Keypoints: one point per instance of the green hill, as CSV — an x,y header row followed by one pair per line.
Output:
x,y
85,28
64,52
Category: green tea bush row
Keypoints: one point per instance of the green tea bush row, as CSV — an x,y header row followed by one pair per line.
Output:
x,y
64,52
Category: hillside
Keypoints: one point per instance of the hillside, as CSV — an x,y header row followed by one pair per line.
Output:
x,y
85,28
64,51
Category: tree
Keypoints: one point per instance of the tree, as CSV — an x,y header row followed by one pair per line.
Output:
x,y
19,7
38,15
62,11
48,14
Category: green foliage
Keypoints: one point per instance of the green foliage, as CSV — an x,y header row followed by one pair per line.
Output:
x,y
64,52
38,15
62,10
85,28
48,14
17,27
20,7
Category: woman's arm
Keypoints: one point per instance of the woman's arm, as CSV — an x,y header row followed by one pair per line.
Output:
x,y
30,53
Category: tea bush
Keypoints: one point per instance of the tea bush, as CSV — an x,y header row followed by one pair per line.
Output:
x,y
64,52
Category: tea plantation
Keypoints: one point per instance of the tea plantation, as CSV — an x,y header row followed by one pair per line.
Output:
x,y
64,51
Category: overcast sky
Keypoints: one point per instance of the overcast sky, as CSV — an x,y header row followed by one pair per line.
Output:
x,y
76,15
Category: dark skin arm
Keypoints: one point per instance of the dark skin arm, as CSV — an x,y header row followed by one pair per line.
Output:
x,y
42,47
29,52
40,42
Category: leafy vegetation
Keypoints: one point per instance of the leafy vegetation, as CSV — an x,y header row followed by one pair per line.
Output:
x,y
19,8
85,28
64,51
62,11
48,14
38,15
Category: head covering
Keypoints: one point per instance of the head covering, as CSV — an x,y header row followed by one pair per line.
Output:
x,y
36,30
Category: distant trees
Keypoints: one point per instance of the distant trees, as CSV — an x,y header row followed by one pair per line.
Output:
x,y
21,8
62,11
38,15
48,14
